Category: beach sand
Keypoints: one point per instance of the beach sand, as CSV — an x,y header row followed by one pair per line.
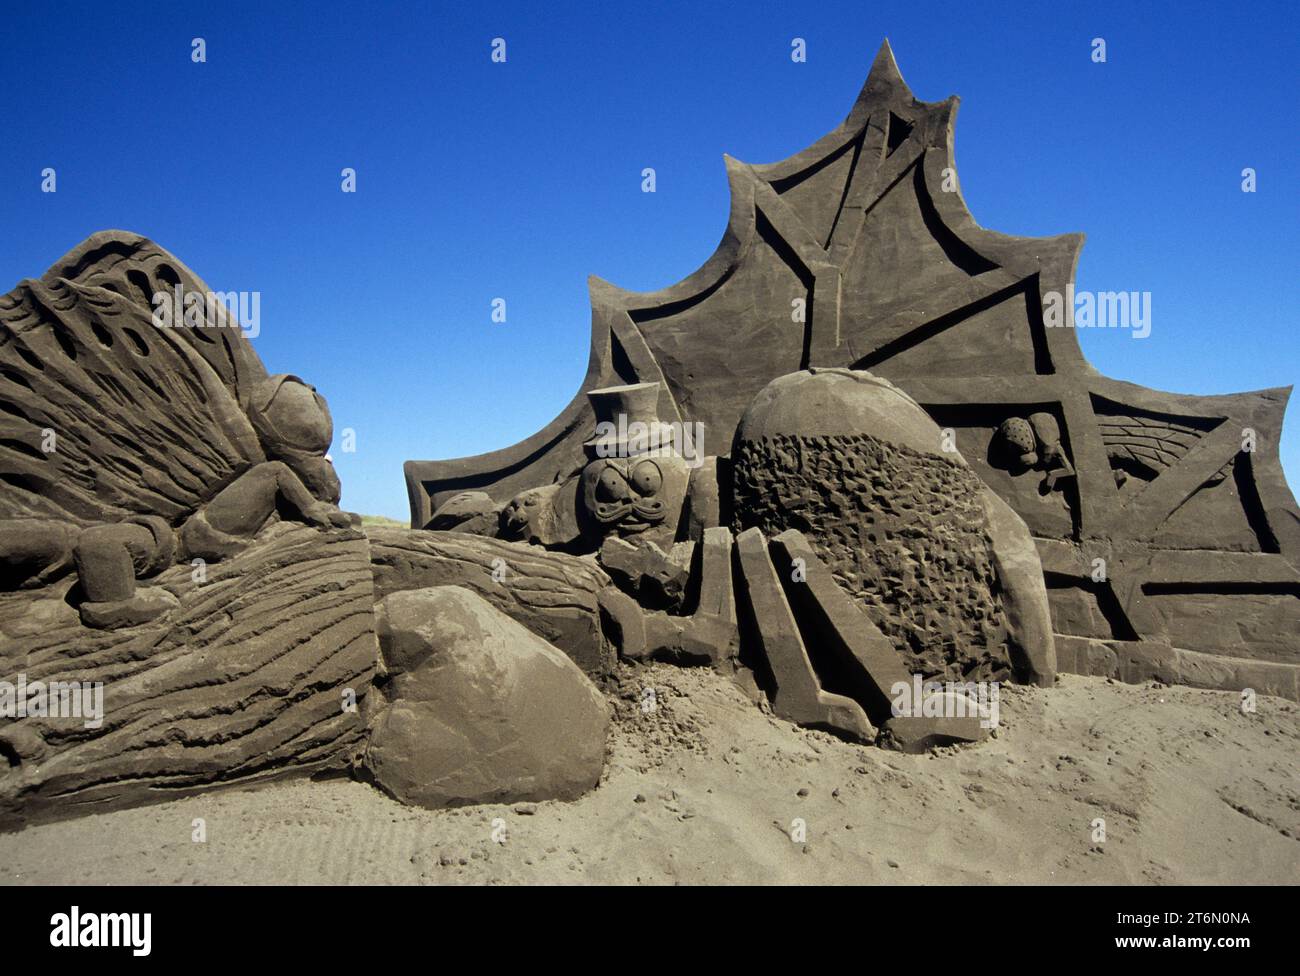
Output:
x,y
709,788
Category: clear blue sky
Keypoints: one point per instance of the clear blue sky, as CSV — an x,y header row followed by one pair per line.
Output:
x,y
479,180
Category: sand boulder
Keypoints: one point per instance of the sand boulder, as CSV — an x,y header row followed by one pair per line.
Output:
x,y
478,709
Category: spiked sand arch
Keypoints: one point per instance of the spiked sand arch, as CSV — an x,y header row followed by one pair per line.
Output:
x,y
1182,497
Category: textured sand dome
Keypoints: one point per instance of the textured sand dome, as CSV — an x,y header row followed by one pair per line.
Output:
x,y
857,466
838,402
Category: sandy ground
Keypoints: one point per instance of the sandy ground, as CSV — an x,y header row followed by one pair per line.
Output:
x,y
707,787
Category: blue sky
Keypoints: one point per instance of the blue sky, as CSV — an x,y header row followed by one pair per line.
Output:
x,y
479,180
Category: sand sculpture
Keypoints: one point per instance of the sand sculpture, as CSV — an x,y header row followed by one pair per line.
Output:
x,y
850,452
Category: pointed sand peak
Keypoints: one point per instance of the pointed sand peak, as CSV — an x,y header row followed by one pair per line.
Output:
x,y
884,86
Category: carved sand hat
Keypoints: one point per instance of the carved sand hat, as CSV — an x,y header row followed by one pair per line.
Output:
x,y
627,421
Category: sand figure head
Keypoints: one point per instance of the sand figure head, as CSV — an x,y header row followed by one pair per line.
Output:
x,y
522,513
293,423
1019,441
623,493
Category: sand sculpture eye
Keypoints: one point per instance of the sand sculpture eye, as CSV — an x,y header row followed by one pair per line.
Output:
x,y
647,478
611,487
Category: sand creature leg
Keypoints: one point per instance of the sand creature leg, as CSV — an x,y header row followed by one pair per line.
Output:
x,y
34,551
109,560
243,506
111,557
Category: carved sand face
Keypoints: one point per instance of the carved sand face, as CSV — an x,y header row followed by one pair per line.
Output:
x,y
624,493
520,513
